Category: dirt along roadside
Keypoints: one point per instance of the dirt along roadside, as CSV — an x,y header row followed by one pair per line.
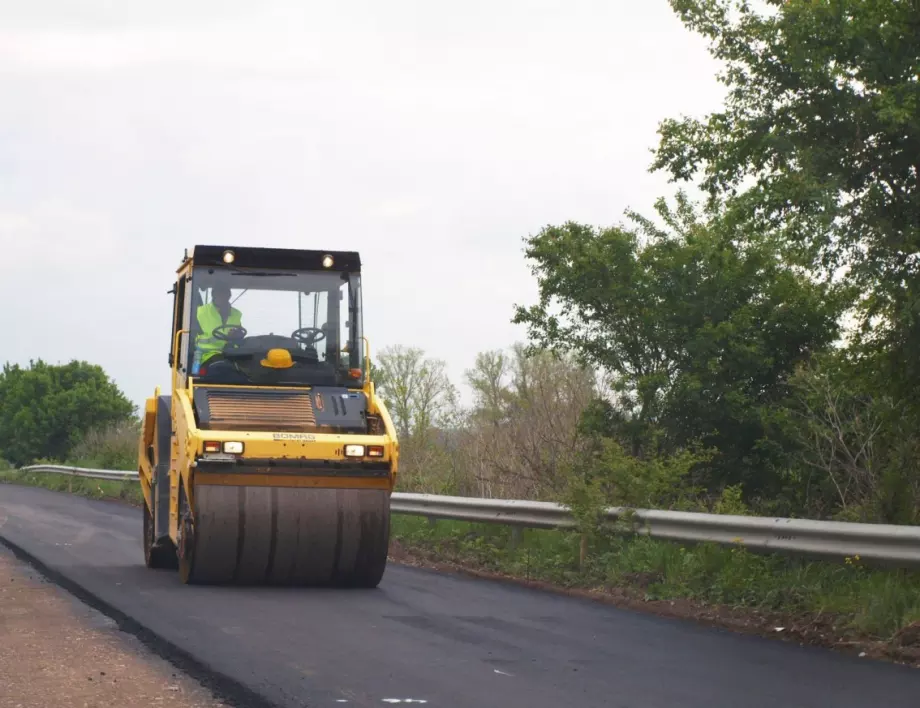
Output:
x,y
56,651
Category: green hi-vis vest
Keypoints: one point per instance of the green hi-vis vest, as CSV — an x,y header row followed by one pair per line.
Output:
x,y
209,319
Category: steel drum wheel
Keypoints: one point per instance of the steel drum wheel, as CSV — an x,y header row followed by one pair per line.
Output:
x,y
286,536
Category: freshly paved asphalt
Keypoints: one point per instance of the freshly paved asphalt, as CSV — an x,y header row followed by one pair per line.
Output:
x,y
430,637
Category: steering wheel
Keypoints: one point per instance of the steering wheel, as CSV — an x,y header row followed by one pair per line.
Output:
x,y
308,336
233,334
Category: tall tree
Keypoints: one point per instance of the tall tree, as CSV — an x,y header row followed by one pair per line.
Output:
x,y
424,406
819,139
699,324
523,438
45,409
416,389
487,379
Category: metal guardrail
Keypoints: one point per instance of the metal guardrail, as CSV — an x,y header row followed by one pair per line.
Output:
x,y
886,543
113,475
883,543
511,512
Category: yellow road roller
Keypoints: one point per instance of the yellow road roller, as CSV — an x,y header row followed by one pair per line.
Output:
x,y
273,460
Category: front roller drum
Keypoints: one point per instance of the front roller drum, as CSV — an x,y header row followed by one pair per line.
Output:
x,y
285,536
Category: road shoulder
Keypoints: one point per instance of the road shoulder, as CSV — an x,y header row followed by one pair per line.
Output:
x,y
56,651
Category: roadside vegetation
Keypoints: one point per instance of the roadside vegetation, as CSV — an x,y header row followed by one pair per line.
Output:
x,y
751,353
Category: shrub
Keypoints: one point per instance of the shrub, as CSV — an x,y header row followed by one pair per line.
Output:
x,y
113,447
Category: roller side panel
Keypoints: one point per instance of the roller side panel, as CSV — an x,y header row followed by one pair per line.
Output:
x,y
159,550
161,486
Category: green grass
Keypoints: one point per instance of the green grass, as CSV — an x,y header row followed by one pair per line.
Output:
x,y
860,601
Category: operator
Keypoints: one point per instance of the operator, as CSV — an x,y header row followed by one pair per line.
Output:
x,y
214,314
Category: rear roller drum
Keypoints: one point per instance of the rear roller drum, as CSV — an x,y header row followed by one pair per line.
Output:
x,y
285,536
162,555
186,551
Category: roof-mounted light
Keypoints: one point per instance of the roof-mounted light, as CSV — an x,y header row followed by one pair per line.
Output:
x,y
229,257
327,261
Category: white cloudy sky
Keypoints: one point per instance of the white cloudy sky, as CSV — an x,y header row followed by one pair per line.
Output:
x,y
431,137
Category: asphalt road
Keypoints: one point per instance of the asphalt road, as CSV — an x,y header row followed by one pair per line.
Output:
x,y
436,638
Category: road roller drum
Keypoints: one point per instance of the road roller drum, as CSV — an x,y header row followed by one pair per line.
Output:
x,y
262,535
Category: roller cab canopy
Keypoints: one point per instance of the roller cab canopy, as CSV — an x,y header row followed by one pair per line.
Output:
x,y
269,318
276,258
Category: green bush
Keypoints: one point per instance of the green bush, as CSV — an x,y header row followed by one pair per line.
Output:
x,y
731,502
112,448
45,409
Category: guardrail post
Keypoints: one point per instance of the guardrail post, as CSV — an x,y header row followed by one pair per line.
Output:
x,y
516,532
582,552
432,521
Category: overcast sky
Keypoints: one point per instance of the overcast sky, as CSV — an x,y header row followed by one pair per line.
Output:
x,y
431,137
